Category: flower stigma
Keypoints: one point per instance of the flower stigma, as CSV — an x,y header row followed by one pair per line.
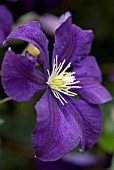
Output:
x,y
61,81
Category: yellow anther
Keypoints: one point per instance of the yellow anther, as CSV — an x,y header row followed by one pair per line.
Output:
x,y
61,81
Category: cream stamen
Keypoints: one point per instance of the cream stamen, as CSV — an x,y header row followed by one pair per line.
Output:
x,y
62,81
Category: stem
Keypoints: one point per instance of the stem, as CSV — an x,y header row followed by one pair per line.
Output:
x,y
5,100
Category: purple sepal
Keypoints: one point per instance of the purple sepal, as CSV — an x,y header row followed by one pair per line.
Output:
x,y
92,119
54,135
89,75
89,118
19,78
32,33
87,68
92,92
61,128
71,42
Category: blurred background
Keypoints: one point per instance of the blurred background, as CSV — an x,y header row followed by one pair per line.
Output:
x,y
17,120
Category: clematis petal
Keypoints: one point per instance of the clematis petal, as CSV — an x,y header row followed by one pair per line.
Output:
x,y
88,68
92,92
92,121
5,22
83,42
92,118
19,78
63,39
53,135
32,33
89,75
71,42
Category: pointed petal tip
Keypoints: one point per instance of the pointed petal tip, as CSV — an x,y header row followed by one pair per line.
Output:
x,y
65,16
9,49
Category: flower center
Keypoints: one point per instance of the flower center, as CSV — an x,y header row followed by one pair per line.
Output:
x,y
61,81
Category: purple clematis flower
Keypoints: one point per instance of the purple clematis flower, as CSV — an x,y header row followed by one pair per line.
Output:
x,y
62,121
6,21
